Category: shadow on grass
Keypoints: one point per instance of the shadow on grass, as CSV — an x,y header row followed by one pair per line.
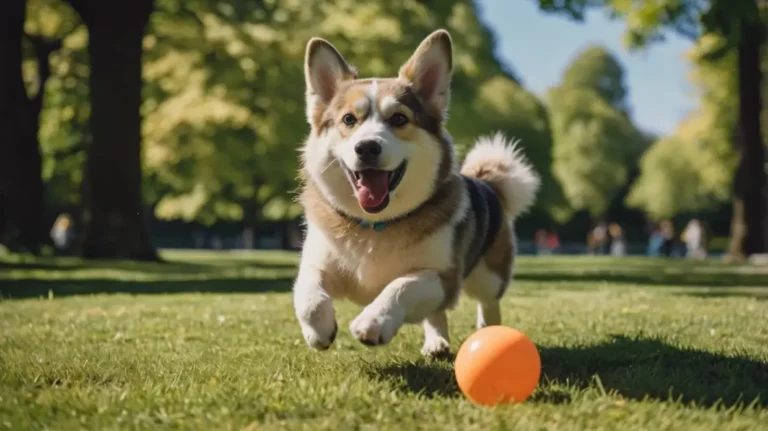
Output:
x,y
648,277
167,267
638,368
759,295
633,368
32,288
432,379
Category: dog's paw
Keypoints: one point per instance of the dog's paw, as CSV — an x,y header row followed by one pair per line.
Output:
x,y
374,328
320,338
436,347
318,323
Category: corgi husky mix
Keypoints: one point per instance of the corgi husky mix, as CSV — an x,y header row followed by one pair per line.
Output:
x,y
392,223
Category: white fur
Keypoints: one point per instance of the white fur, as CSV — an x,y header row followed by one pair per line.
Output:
x,y
520,184
374,128
373,93
364,104
436,340
484,285
393,289
407,299
387,106
312,303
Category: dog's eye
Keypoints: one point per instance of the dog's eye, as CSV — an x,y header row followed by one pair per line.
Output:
x,y
398,119
349,119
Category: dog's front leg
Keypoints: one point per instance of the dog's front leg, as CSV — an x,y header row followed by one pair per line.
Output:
x,y
314,308
407,299
311,301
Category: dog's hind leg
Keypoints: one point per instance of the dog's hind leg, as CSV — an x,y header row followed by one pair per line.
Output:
x,y
488,281
487,287
436,341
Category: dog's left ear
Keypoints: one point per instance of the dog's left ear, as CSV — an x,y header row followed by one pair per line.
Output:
x,y
430,68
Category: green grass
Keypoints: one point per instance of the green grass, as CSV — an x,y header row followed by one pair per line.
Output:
x,y
209,341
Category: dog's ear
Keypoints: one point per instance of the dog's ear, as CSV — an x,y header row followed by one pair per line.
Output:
x,y
324,69
430,68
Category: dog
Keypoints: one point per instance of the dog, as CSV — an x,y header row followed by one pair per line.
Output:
x,y
392,223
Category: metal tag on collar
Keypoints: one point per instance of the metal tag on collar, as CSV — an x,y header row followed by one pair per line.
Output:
x,y
377,226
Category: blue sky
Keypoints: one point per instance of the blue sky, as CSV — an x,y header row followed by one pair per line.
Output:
x,y
539,46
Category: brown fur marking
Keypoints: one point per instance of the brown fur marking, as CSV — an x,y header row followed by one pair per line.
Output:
x,y
493,174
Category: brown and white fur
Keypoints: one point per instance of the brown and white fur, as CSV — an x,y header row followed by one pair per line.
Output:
x,y
412,270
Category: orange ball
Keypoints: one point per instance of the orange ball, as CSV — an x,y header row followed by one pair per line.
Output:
x,y
497,365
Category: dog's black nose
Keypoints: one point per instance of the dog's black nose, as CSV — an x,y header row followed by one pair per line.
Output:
x,y
368,151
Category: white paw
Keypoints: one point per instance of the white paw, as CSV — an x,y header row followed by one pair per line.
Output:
x,y
319,339
436,347
375,328
318,325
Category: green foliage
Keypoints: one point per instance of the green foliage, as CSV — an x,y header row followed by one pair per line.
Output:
x,y
595,142
669,183
63,121
694,169
591,143
597,69
648,21
224,96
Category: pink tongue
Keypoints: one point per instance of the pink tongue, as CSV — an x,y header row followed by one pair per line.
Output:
x,y
372,188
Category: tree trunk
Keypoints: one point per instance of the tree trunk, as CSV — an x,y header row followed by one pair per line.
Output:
x,y
112,223
748,234
20,161
738,231
11,31
30,162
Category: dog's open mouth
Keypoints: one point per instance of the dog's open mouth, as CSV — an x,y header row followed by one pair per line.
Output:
x,y
373,186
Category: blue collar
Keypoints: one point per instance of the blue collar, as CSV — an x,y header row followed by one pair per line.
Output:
x,y
378,226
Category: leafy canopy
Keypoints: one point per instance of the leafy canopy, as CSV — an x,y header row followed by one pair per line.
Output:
x,y
224,99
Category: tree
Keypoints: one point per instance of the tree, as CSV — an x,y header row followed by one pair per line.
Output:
x,y
21,186
741,30
591,143
12,28
112,223
63,127
595,143
599,70
700,152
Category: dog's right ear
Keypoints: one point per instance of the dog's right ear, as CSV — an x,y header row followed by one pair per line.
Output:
x,y
430,68
324,69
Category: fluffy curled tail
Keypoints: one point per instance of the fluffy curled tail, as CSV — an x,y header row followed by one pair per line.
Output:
x,y
497,161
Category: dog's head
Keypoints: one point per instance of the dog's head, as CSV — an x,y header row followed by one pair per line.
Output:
x,y
378,148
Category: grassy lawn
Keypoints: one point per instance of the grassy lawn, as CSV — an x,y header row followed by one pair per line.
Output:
x,y
209,341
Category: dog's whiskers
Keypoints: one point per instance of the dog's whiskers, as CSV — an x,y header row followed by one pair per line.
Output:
x,y
328,166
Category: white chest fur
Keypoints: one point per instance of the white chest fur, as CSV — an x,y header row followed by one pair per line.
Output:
x,y
374,259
